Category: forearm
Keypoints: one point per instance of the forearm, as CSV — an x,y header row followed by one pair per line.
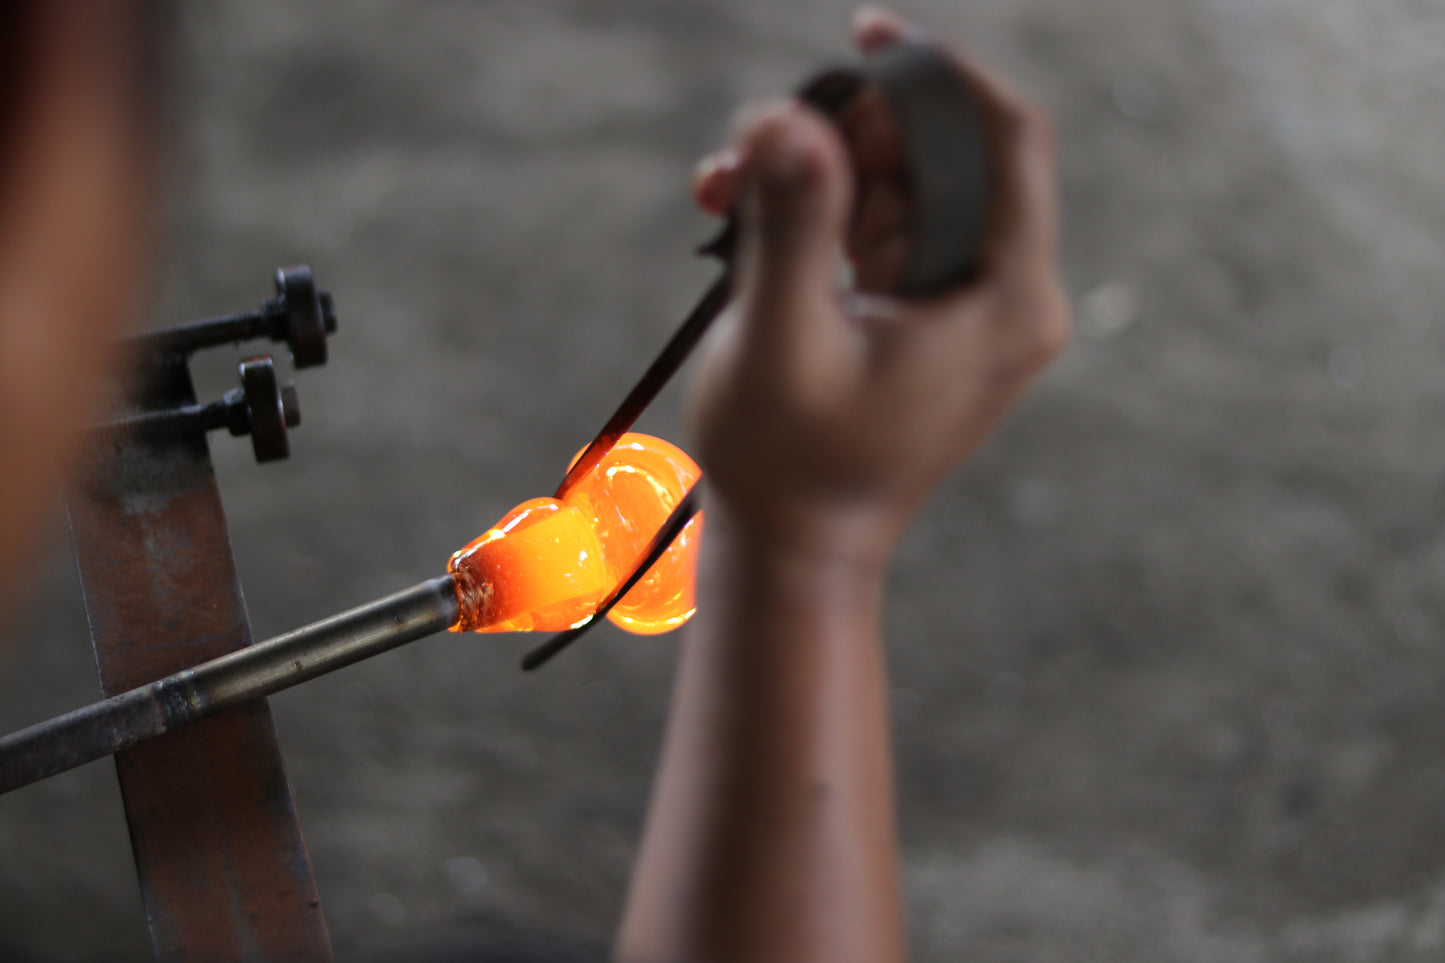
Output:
x,y
770,836
771,832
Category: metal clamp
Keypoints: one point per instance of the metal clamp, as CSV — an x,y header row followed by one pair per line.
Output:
x,y
308,321
300,314
262,408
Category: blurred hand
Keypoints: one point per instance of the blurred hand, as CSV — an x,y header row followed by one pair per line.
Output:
x,y
76,173
823,417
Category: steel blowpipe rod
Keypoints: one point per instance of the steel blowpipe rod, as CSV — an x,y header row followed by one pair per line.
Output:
x,y
117,723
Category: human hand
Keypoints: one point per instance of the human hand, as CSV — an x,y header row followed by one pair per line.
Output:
x,y
824,418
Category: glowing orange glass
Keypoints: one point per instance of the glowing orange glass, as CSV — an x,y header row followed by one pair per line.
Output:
x,y
548,564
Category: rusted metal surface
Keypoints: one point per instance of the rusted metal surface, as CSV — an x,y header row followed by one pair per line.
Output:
x,y
201,691
223,868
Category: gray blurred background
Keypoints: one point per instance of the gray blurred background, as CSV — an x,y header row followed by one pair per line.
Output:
x,y
1166,654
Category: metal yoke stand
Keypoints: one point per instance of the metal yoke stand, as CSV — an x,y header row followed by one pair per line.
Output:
x,y
223,868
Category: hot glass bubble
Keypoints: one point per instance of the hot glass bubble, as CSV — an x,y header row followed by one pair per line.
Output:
x,y
548,564
538,569
628,497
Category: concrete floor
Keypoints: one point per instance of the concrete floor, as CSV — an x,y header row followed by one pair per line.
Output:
x,y
1166,653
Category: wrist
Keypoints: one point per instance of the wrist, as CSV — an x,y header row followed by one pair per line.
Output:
x,y
775,601
849,555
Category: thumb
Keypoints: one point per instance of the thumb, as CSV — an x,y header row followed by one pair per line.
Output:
x,y
799,192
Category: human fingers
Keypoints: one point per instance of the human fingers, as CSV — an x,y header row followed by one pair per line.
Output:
x,y
1024,221
868,124
715,181
877,240
798,190
875,27
1012,317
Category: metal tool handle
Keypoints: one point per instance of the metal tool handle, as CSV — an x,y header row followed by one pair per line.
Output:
x,y
949,170
945,148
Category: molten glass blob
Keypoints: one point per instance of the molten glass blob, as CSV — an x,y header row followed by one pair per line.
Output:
x,y
628,498
548,564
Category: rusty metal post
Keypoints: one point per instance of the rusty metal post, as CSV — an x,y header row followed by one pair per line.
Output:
x,y
223,867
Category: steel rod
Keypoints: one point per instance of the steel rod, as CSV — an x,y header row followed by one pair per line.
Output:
x,y
97,730
269,321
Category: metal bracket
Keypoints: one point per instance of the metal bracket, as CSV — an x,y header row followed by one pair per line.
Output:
x,y
222,864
